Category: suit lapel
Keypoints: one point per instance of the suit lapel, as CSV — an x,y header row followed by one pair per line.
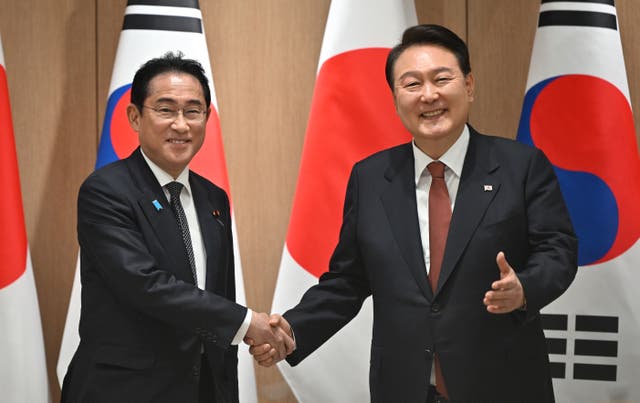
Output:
x,y
154,204
399,201
478,187
211,227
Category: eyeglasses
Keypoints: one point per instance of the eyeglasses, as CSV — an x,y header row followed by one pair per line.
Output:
x,y
194,114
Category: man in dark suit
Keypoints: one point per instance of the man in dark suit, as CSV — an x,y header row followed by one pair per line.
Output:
x,y
159,322
456,312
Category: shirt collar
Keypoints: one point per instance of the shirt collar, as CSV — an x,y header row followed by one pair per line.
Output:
x,y
164,178
453,158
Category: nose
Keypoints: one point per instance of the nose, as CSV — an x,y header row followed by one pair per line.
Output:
x,y
429,93
180,123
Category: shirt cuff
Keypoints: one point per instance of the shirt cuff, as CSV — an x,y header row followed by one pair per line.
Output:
x,y
244,327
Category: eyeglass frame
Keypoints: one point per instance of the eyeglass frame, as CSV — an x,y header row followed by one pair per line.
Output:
x,y
176,112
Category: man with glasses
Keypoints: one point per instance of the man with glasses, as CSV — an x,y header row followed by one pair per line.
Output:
x,y
159,322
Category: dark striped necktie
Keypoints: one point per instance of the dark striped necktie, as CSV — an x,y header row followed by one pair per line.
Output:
x,y
174,189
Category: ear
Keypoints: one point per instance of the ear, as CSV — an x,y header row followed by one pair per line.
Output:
x,y
469,83
133,114
395,99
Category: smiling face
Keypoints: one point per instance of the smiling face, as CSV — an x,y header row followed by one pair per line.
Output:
x,y
170,143
432,96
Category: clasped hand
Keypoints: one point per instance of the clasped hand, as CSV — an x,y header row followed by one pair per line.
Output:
x,y
270,338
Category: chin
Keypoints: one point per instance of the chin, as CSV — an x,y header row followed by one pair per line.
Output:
x,y
433,135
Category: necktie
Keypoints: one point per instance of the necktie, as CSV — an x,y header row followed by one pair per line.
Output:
x,y
439,219
174,189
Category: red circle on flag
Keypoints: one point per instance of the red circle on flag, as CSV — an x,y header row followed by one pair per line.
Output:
x,y
13,234
352,116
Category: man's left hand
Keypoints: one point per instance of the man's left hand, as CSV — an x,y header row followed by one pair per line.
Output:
x,y
264,354
506,295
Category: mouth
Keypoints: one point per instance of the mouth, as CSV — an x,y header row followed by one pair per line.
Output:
x,y
178,141
432,114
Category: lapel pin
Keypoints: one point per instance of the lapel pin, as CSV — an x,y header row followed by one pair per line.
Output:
x,y
216,215
488,188
157,205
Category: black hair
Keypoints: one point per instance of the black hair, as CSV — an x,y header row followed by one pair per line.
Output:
x,y
429,34
170,62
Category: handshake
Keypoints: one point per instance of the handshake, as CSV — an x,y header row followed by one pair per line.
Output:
x,y
270,338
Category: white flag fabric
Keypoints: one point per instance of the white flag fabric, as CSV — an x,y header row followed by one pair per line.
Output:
x,y
577,110
151,29
352,116
23,369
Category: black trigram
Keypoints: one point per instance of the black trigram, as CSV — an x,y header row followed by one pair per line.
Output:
x,y
581,18
601,332
156,22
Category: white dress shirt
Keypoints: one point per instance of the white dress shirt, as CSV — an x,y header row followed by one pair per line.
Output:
x,y
453,159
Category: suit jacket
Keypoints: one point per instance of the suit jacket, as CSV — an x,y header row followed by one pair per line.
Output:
x,y
484,357
143,321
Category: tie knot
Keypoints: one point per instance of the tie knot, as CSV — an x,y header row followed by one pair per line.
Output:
x,y
436,169
174,189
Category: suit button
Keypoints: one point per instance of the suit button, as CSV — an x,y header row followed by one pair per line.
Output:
x,y
435,307
196,370
428,352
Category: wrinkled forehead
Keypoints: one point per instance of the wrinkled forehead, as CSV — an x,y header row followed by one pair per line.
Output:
x,y
426,57
175,85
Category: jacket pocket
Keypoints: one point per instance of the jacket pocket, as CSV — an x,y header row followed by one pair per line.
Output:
x,y
124,357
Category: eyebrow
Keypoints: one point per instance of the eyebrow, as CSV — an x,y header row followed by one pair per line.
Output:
x,y
173,101
434,71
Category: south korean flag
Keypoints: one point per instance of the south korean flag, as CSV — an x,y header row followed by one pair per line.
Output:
x,y
577,110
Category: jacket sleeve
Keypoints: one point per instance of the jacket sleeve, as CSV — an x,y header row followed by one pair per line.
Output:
x,y
337,298
552,262
116,253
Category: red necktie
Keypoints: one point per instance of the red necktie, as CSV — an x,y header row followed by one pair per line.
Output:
x,y
439,219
